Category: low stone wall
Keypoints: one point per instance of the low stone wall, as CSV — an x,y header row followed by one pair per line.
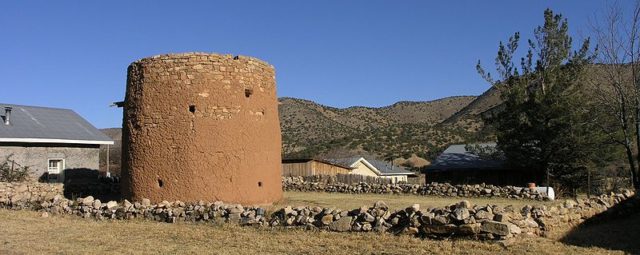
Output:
x,y
461,219
26,195
319,184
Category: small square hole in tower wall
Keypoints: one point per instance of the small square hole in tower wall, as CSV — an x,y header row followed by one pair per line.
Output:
x,y
192,108
248,92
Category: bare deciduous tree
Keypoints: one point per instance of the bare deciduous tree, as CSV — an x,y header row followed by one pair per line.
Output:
x,y
616,80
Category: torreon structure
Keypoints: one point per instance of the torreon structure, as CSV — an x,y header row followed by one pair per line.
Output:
x,y
201,126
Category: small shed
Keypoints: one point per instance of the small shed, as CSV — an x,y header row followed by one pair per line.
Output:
x,y
309,167
459,164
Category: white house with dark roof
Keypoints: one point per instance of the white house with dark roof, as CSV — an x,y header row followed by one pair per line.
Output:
x,y
373,167
50,141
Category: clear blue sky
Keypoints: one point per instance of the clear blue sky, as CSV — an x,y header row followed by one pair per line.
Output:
x,y
74,54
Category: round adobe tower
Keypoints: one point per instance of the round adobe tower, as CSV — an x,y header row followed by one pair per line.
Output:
x,y
201,126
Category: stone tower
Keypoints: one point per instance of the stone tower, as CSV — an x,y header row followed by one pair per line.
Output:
x,y
201,126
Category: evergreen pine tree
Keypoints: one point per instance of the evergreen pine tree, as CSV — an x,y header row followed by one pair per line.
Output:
x,y
543,124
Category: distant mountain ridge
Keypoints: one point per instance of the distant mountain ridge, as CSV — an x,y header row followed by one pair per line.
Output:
x,y
405,129
469,117
403,112
398,130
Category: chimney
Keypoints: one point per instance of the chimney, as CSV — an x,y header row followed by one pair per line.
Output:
x,y
7,115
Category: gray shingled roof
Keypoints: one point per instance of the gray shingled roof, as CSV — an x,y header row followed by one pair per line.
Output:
x,y
346,162
385,168
456,157
305,160
43,125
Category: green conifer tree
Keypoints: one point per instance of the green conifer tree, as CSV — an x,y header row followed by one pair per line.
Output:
x,y
543,124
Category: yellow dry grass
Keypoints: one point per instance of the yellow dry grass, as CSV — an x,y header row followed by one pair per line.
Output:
x,y
25,232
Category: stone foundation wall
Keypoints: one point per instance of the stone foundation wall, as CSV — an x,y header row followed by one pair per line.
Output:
x,y
463,219
36,156
308,184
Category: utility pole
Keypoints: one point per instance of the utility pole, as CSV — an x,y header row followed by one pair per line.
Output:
x,y
108,152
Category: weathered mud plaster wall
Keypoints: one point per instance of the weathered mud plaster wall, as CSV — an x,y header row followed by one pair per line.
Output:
x,y
201,126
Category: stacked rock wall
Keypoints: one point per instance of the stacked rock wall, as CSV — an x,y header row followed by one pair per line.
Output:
x,y
486,222
201,126
430,189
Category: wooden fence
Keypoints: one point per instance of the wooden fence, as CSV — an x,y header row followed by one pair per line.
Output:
x,y
312,167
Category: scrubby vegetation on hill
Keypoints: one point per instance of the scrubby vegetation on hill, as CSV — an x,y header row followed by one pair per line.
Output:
x,y
398,130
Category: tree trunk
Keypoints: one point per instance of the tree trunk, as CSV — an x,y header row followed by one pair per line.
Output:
x,y
632,162
634,78
636,85
634,175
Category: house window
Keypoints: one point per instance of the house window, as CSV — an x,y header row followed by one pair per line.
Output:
x,y
55,166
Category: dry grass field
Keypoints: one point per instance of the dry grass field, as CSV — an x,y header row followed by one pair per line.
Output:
x,y
25,232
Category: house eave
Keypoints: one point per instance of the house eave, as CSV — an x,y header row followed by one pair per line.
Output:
x,y
368,165
49,140
399,174
464,169
304,160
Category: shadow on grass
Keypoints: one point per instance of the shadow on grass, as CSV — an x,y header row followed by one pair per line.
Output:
x,y
617,229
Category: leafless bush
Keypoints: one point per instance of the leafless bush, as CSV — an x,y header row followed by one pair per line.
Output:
x,y
10,171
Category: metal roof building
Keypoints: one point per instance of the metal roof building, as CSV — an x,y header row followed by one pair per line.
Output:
x,y
34,124
458,157
49,141
460,164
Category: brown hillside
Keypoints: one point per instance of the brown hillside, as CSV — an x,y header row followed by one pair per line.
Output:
x,y
401,129
294,111
469,117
